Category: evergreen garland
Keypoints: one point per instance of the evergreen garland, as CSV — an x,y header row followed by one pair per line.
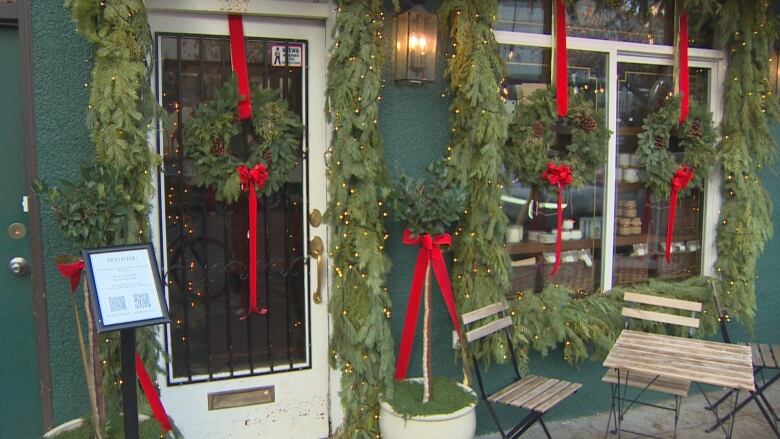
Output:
x,y
361,342
748,33
214,123
696,139
532,134
478,124
109,203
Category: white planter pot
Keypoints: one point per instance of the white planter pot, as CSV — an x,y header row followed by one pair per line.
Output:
x,y
461,424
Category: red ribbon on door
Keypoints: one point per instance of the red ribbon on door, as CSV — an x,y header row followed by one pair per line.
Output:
x,y
429,254
683,82
680,181
560,177
561,61
238,59
253,180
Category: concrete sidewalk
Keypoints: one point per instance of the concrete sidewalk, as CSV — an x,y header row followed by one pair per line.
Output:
x,y
694,419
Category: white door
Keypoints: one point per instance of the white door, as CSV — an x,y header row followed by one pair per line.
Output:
x,y
265,376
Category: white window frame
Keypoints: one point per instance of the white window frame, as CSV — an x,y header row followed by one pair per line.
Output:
x,y
621,51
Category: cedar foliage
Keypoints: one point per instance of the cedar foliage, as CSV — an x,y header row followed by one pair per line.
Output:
x,y
361,342
479,131
748,33
108,204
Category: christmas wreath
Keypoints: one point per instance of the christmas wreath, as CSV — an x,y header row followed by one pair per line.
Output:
x,y
276,129
696,137
532,135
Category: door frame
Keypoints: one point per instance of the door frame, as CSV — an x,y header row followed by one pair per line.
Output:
x,y
19,15
324,12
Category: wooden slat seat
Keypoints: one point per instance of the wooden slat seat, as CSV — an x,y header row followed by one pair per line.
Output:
x,y
766,356
534,393
641,380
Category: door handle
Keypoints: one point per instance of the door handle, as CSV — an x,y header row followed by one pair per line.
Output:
x,y
18,266
316,250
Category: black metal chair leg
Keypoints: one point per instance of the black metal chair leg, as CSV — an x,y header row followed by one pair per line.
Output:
x,y
544,427
772,422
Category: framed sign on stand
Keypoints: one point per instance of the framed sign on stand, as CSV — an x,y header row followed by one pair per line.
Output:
x,y
126,293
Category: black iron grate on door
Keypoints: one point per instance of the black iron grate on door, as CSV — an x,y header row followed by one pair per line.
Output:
x,y
205,241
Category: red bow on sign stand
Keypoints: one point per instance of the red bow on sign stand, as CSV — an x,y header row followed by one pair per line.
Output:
x,y
429,255
253,180
560,177
680,181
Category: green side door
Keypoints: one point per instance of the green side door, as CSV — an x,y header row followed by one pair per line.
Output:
x,y
20,405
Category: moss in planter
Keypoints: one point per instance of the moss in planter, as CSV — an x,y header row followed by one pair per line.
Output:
x,y
148,429
446,397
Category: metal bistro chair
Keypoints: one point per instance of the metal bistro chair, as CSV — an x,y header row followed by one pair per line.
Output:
x,y
765,358
676,387
535,394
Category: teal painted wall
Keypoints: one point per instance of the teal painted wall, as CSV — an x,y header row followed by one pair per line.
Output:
x,y
415,132
60,71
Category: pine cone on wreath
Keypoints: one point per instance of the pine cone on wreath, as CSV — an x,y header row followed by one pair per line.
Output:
x,y
696,128
267,157
538,128
588,123
660,142
218,147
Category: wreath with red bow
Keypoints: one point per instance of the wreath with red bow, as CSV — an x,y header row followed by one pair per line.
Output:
x,y
696,138
534,134
276,146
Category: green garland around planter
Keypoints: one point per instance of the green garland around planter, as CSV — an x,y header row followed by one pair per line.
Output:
x,y
214,123
748,34
533,131
361,342
588,327
479,130
696,139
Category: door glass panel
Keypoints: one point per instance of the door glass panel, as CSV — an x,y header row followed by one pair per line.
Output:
x,y
206,246
639,21
640,217
532,250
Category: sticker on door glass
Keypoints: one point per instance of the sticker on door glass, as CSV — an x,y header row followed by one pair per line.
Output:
x,y
286,55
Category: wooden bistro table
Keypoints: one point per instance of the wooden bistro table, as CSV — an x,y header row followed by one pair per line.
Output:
x,y
683,359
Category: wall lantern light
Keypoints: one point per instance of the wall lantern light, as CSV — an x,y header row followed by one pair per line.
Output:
x,y
415,48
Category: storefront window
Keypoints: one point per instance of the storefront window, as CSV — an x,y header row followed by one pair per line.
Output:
x,y
641,217
532,209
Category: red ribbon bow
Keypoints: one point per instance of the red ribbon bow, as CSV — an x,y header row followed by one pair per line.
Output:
x,y
429,254
252,180
71,270
560,177
681,179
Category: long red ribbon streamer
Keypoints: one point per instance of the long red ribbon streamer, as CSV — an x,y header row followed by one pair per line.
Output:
x,y
238,59
151,394
561,61
680,181
683,66
429,254
251,178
